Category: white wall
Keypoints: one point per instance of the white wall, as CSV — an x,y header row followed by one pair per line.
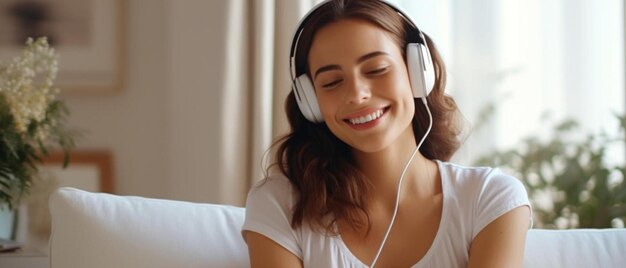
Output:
x,y
161,127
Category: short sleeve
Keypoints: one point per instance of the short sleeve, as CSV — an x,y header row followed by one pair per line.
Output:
x,y
498,194
268,212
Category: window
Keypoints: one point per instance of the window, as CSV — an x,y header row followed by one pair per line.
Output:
x,y
562,58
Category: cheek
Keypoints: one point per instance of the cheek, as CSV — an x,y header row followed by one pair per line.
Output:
x,y
410,104
401,90
327,104
398,84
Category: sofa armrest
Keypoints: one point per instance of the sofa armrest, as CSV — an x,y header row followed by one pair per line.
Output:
x,y
103,230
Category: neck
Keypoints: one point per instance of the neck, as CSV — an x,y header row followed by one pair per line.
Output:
x,y
384,168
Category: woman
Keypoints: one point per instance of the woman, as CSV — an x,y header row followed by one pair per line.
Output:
x,y
362,178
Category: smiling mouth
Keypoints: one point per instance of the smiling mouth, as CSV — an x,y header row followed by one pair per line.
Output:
x,y
367,118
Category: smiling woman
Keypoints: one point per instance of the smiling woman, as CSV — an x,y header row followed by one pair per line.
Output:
x,y
362,177
375,83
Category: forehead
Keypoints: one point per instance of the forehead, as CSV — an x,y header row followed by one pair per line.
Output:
x,y
346,40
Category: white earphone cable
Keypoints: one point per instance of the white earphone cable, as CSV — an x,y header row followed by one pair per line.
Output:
x,y
406,166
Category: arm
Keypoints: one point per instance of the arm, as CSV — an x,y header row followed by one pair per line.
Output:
x,y
264,252
501,243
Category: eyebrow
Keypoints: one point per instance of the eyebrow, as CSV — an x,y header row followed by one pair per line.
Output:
x,y
359,60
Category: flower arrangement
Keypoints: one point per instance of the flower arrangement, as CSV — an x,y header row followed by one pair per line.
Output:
x,y
32,120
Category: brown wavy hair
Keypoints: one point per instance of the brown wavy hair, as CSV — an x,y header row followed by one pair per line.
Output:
x,y
320,166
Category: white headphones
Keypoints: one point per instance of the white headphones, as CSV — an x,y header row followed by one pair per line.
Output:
x,y
419,63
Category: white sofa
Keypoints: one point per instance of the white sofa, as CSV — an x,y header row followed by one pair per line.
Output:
x,y
102,230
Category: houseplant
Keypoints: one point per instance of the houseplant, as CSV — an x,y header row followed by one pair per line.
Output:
x,y
570,177
32,119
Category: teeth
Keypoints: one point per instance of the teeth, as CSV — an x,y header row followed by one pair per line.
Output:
x,y
366,118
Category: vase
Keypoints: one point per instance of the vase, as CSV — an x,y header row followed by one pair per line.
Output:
x,y
8,223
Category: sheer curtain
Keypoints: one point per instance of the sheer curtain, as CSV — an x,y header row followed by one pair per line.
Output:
x,y
529,58
229,77
257,82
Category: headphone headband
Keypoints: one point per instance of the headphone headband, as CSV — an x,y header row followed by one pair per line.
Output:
x,y
299,29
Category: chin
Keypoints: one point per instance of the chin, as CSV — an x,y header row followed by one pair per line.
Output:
x,y
369,147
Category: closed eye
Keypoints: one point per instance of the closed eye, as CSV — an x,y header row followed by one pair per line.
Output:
x,y
378,71
332,84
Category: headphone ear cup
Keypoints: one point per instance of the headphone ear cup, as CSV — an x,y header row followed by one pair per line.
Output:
x,y
421,70
307,100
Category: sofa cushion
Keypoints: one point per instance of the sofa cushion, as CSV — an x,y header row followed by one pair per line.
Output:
x,y
575,248
102,230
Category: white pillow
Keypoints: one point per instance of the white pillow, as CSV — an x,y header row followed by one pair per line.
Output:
x,y
102,230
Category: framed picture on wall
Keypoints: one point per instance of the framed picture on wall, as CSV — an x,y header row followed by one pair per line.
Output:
x,y
89,36
89,170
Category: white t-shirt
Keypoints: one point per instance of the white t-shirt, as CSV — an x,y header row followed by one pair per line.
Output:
x,y
472,198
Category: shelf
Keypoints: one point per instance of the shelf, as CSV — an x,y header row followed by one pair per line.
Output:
x,y
24,258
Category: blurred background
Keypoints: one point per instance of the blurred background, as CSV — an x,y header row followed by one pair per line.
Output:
x,y
187,96
541,84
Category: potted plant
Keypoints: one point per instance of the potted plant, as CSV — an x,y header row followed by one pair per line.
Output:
x,y
570,177
32,119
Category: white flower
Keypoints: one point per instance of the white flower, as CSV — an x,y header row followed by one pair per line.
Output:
x,y
27,84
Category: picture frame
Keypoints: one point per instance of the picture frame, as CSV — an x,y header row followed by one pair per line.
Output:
x,y
96,166
88,35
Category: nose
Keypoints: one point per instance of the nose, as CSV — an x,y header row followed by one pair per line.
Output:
x,y
358,90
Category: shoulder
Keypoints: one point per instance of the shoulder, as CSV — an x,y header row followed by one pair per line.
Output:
x,y
480,180
269,211
274,191
276,183
461,171
483,193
